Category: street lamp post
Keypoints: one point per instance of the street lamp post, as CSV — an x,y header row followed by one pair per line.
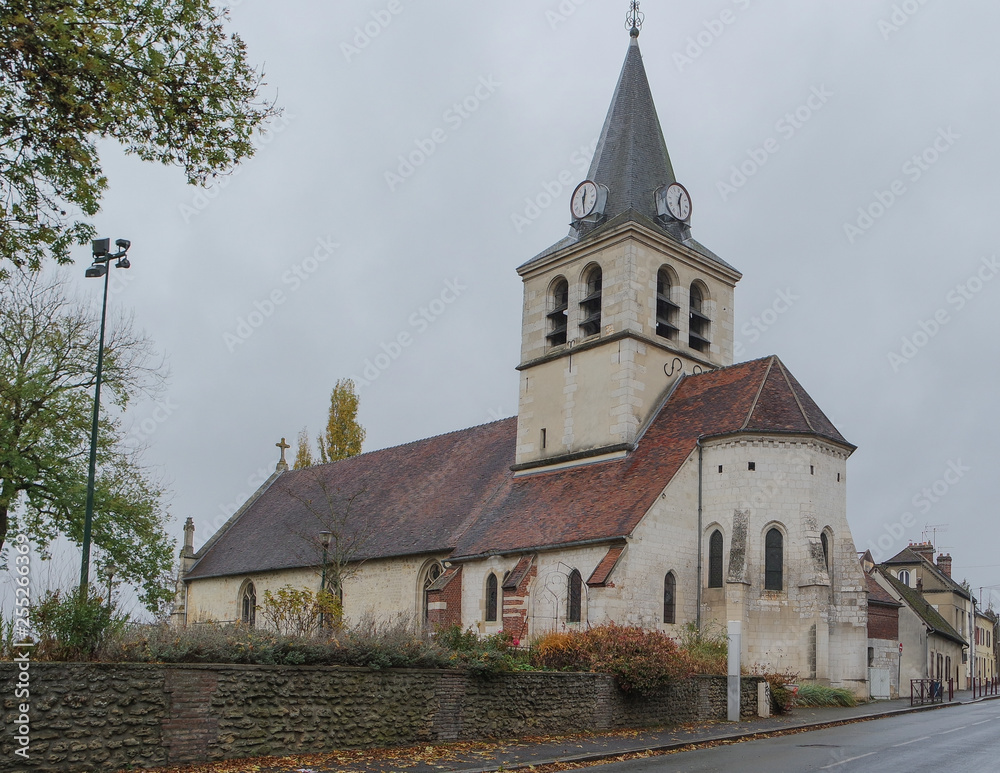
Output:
x,y
325,537
109,572
102,258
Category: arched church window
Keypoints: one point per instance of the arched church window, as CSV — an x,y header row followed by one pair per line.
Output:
x,y
666,309
669,598
590,306
774,560
558,315
715,557
904,577
248,604
700,325
491,598
825,542
574,606
431,574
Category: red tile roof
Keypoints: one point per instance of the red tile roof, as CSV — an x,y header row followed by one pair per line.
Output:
x,y
456,493
603,571
879,595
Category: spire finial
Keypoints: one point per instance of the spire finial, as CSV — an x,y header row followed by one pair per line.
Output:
x,y
282,465
634,20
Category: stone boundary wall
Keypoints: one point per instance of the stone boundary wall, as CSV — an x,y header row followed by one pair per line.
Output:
x,y
108,717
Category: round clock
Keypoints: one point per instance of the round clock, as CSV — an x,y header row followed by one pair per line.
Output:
x,y
584,199
678,202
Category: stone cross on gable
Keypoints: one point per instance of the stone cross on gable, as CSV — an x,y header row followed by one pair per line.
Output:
x,y
282,464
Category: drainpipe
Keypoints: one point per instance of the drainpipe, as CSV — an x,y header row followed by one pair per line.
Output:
x,y
700,529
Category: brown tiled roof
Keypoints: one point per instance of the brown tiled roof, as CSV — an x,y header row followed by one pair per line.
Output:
x,y
879,595
605,567
456,493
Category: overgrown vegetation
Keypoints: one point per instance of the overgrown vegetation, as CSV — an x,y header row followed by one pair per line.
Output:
x,y
486,655
294,612
707,650
818,695
70,628
783,686
641,661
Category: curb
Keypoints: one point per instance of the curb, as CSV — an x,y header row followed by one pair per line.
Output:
x,y
732,737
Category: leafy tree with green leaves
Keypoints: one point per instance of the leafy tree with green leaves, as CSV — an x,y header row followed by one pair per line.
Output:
x,y
343,437
162,78
48,352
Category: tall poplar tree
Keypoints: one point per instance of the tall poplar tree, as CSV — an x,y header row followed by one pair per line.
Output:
x,y
343,436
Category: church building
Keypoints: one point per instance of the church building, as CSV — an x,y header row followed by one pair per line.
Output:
x,y
646,479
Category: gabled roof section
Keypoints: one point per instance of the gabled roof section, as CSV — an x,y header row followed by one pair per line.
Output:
x,y
904,556
600,576
930,616
907,556
878,595
456,494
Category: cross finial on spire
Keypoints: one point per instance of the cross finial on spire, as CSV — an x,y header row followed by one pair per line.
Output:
x,y
282,464
634,20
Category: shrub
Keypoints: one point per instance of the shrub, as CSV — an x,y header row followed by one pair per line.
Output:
x,y
819,695
295,612
73,628
641,661
707,650
782,698
485,656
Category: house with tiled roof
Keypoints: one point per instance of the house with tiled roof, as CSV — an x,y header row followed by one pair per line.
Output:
x,y
645,480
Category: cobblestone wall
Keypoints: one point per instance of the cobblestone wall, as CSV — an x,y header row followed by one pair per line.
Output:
x,y
85,718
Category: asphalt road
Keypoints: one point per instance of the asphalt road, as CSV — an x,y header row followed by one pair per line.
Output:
x,y
951,740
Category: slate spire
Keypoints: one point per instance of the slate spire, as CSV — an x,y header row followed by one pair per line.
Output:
x,y
631,157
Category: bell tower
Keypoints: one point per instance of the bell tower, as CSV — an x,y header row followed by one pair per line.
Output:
x,y
614,313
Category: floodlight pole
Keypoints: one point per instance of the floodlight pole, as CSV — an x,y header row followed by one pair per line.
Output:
x,y
102,260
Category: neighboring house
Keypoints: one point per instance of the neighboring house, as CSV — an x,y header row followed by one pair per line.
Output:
x,y
932,648
985,663
645,480
884,656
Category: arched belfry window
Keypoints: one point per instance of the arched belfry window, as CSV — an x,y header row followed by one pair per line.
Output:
x,y
558,315
825,542
491,598
699,326
248,604
670,598
666,309
590,306
715,557
774,560
431,573
574,605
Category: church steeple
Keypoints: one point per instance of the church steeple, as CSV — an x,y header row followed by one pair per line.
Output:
x,y
631,159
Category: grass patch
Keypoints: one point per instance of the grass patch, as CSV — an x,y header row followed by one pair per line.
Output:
x,y
818,695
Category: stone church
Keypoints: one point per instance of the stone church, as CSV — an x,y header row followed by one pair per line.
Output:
x,y
645,480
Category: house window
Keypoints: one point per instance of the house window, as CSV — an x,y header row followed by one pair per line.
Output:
x,y
430,577
491,598
699,325
248,605
715,553
774,560
590,306
825,542
575,605
558,312
904,577
669,600
666,309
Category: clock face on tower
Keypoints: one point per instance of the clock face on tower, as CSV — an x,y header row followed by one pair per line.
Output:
x,y
584,200
675,201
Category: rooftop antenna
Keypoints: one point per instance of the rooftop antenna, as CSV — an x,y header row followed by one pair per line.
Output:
x,y
634,20
934,528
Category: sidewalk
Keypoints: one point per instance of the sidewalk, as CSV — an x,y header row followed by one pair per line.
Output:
x,y
488,757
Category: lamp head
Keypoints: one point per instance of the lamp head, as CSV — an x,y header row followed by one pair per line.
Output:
x,y
123,244
123,263
101,247
96,271
326,537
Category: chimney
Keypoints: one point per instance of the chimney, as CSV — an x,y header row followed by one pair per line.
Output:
x,y
920,585
925,550
944,563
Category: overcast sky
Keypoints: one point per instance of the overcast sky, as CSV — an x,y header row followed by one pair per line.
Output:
x,y
841,155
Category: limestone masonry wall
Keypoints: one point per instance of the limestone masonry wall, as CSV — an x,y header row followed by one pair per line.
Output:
x,y
90,717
